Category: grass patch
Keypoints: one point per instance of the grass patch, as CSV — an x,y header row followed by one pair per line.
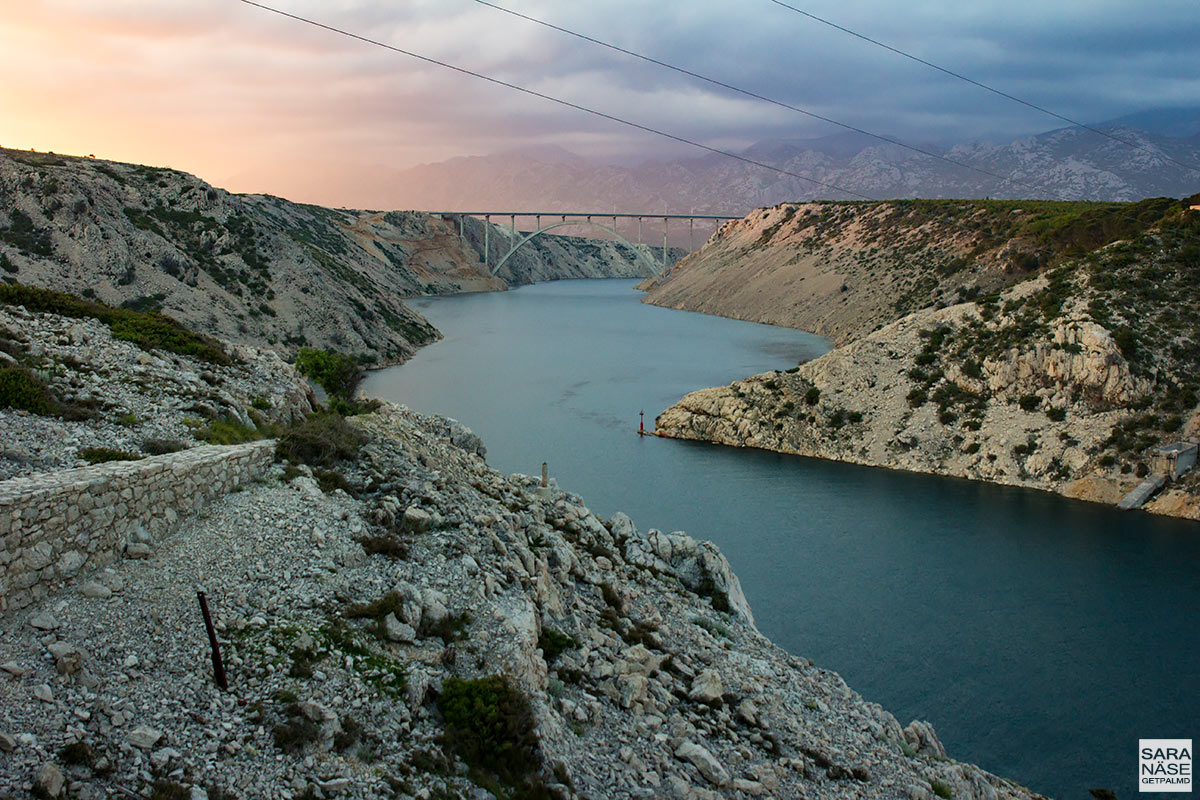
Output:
x,y
230,431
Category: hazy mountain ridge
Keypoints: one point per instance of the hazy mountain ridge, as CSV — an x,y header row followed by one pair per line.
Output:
x,y
1065,164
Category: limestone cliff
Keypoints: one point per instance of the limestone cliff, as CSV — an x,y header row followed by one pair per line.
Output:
x,y
1064,382
845,269
256,269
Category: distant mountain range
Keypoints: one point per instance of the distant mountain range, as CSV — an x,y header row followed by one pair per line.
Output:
x,y
1065,164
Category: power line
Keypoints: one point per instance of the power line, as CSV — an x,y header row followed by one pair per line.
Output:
x,y
578,107
559,101
755,95
973,82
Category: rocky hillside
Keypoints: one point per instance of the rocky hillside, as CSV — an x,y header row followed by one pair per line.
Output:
x,y
254,269
1065,381
400,620
846,269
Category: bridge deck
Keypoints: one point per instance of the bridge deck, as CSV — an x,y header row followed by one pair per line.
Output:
x,y
604,214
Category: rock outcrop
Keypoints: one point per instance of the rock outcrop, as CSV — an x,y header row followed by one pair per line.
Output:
x,y
1065,382
846,269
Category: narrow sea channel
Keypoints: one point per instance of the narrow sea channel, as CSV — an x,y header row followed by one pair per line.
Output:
x,y
1042,637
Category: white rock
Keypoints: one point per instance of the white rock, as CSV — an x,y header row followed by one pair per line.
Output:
x,y
704,761
70,563
95,590
49,781
44,622
417,519
397,631
706,687
144,737
138,550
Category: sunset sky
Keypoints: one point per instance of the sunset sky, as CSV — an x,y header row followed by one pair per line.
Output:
x,y
252,101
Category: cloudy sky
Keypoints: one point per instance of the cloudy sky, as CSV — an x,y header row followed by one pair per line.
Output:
x,y
255,102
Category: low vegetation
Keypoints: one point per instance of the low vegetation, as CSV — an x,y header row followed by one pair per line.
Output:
x,y
150,331
489,724
321,440
102,455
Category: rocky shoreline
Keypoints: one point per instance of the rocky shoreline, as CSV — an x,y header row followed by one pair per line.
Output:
x,y
1066,381
360,600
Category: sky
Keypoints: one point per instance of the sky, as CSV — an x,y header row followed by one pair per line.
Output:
x,y
252,101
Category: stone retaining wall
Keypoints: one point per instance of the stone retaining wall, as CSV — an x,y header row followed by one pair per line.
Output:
x,y
56,525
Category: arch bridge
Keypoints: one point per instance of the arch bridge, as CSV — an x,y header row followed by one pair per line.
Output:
x,y
558,219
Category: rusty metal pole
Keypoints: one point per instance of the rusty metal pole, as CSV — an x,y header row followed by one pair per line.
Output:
x,y
218,665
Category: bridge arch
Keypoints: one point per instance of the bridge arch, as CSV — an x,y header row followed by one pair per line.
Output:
x,y
655,269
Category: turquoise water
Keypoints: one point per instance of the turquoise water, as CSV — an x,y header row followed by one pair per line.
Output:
x,y
1042,637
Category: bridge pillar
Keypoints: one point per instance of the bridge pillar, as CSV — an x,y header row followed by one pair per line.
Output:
x,y
664,243
639,230
538,217
487,235
460,225
513,220
692,235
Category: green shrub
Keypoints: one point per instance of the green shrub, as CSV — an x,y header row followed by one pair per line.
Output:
x,y
390,603
490,725
553,643
6,264
21,389
389,546
77,754
1056,414
812,396
338,374
941,788
102,455
916,398
1029,402
450,628
169,790
296,731
319,441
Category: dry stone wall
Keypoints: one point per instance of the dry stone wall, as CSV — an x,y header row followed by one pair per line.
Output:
x,y
56,525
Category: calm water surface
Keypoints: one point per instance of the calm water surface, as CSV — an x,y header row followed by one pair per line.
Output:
x,y
1041,636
